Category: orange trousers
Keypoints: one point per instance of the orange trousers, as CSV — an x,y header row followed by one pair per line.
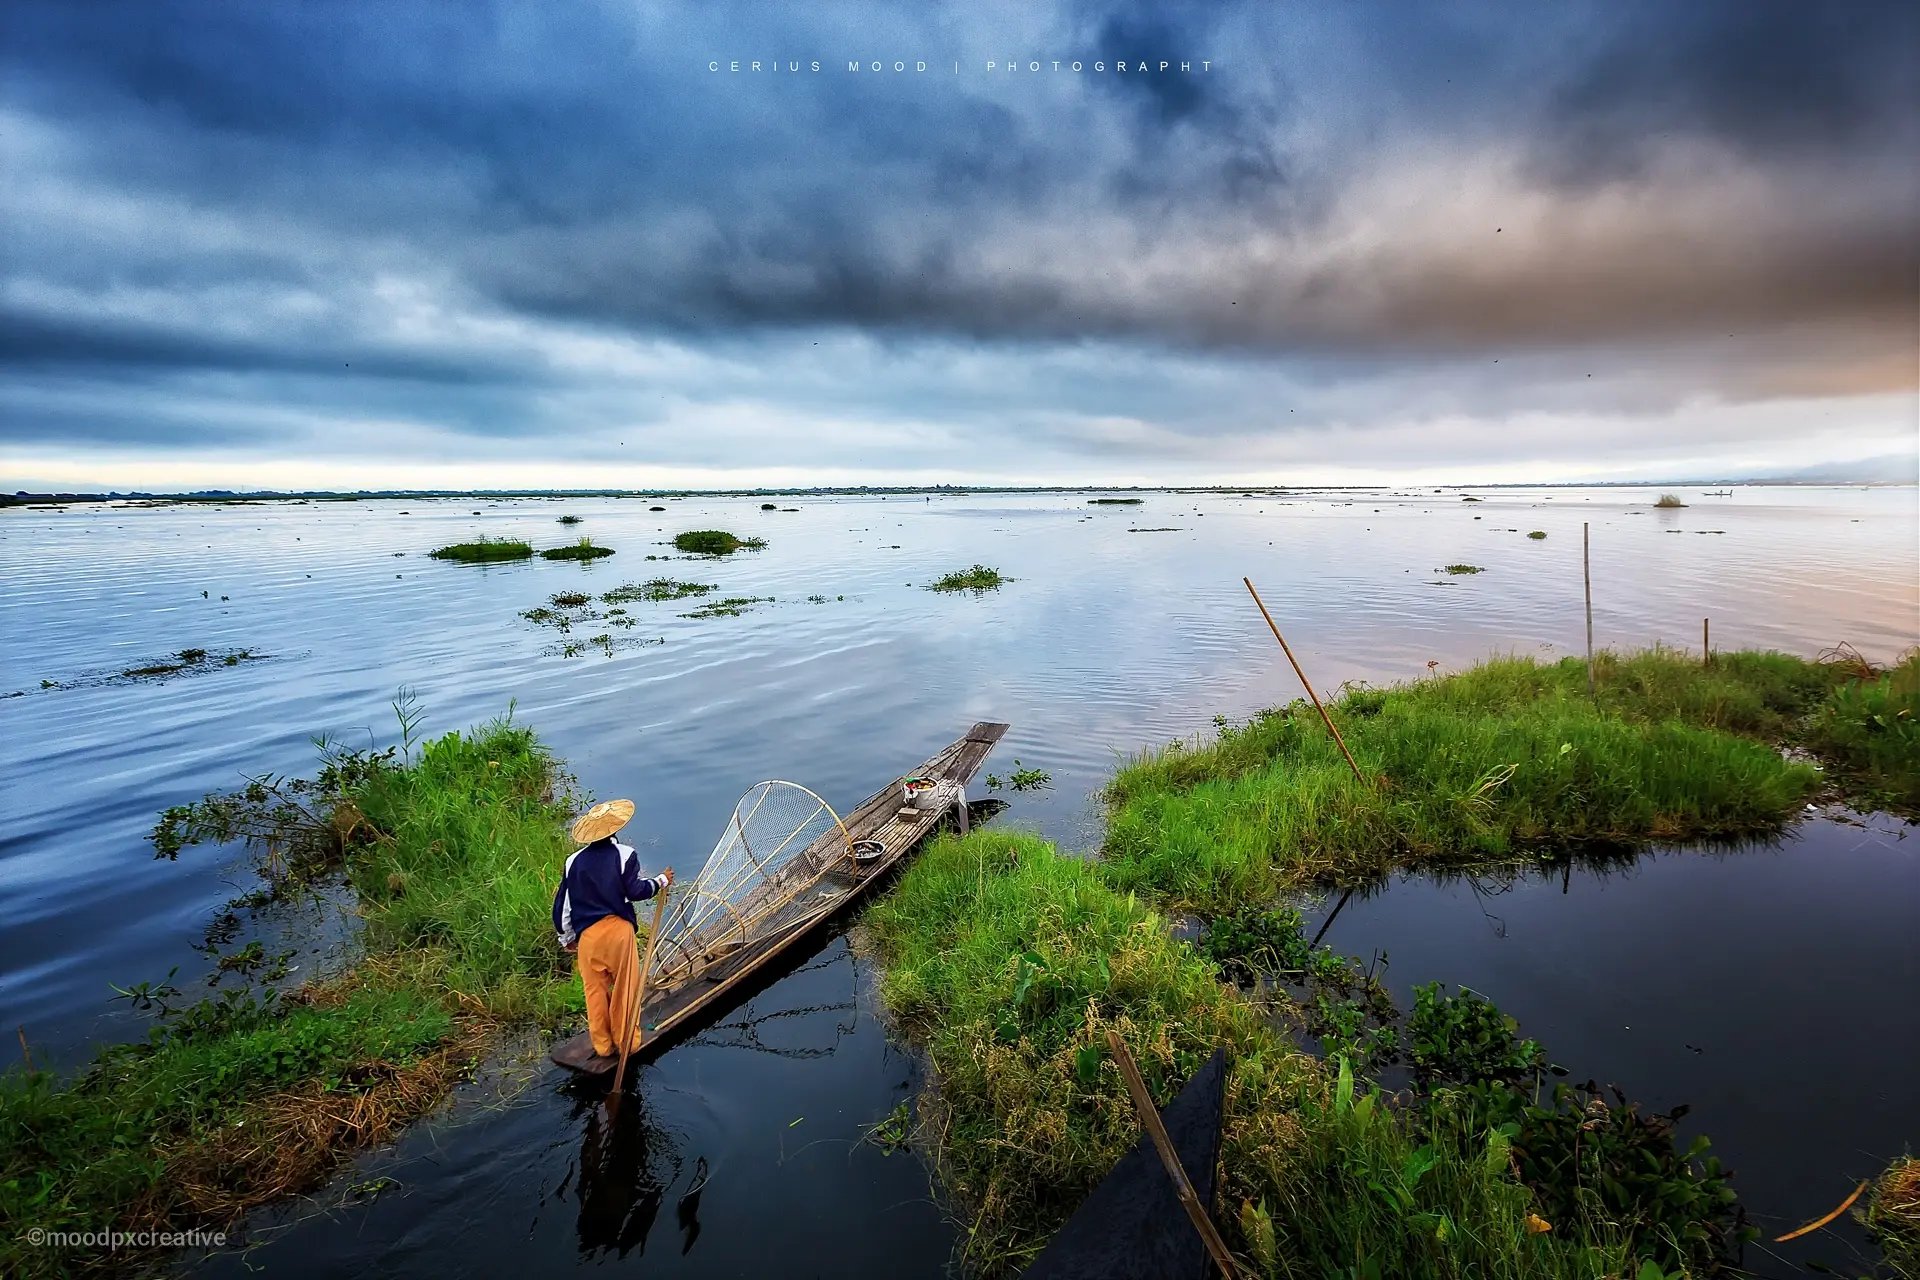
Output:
x,y
609,974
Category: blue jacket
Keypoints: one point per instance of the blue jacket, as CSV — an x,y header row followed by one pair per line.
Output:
x,y
600,880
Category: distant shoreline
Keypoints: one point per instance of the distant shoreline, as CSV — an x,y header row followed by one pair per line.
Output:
x,y
24,498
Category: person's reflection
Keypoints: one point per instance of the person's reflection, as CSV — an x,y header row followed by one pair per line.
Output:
x,y
619,1193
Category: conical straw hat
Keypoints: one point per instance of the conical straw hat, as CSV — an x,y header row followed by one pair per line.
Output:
x,y
602,820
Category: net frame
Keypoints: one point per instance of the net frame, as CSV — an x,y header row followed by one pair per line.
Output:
x,y
735,898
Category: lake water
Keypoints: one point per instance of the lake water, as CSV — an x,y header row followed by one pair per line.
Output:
x,y
1777,966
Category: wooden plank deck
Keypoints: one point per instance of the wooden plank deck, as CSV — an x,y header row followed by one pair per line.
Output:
x,y
670,1012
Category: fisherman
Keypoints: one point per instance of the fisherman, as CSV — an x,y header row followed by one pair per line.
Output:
x,y
593,914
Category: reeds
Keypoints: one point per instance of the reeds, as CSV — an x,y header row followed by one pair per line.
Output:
x,y
581,550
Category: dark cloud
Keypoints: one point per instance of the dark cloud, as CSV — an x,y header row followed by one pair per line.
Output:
x,y
462,215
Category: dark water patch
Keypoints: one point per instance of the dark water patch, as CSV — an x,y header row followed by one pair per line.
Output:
x,y
1756,986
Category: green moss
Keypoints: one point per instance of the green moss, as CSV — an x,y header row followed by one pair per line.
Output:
x,y
485,551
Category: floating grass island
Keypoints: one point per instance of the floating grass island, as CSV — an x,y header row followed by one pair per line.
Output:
x,y
485,551
1115,502
978,579
1537,534
570,519
714,542
581,550
188,660
1669,500
1458,569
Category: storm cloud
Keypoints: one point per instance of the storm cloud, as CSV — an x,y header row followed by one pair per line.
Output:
x,y
248,236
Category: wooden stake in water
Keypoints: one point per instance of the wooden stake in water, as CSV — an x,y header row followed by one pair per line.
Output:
x,y
1706,642
24,1051
1586,576
1157,1133
1304,683
634,1030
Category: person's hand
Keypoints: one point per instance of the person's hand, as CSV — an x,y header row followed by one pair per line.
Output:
x,y
665,877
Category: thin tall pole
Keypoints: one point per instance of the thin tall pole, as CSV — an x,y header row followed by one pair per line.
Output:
x,y
1706,642
1586,576
1304,683
633,1029
1182,1185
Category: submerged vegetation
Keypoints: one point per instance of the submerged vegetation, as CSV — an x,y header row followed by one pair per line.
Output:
x,y
449,847
655,590
714,542
485,551
581,550
731,607
978,579
183,661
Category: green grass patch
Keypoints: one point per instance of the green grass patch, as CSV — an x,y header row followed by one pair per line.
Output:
x,y
1868,729
1537,534
1459,569
714,542
978,579
485,551
581,550
655,590
1892,1216
451,848
1507,758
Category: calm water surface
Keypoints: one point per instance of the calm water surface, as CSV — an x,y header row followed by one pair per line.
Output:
x,y
1754,986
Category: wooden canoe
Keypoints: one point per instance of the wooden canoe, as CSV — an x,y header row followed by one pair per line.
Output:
x,y
811,889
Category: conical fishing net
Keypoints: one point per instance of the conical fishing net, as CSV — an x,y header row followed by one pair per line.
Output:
x,y
763,875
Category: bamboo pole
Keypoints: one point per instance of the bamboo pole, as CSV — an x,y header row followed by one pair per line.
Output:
x,y
1284,648
1157,1132
633,1029
1706,642
1586,577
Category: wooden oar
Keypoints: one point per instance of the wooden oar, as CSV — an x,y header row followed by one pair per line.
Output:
x,y
634,1030
1157,1133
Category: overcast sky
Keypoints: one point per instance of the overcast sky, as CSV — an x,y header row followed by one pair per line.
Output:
x,y
387,244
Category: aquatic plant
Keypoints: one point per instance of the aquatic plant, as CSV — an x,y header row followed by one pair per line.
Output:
x,y
1892,1216
1115,502
1464,1038
1669,500
1250,940
769,506
570,599
1458,569
1537,534
978,579
714,542
731,607
1869,729
655,590
569,519
485,551
581,550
